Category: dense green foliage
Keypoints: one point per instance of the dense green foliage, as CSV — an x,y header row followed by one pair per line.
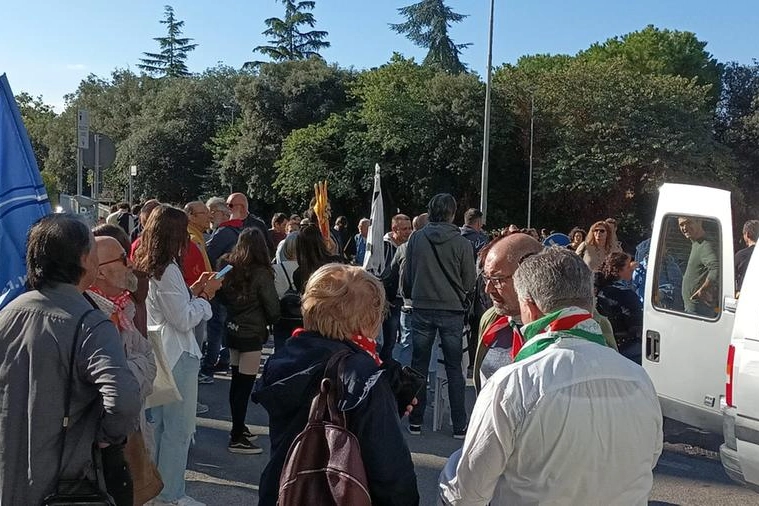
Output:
x,y
611,124
174,49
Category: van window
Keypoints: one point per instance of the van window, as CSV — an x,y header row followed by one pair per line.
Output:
x,y
687,273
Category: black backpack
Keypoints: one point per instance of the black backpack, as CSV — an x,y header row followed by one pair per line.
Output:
x,y
289,304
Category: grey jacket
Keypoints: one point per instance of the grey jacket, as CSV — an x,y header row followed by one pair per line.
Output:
x,y
424,282
36,336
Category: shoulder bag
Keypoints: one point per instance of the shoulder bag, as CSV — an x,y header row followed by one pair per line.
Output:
x,y
79,492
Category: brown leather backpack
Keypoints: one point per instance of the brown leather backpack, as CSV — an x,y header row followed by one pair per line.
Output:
x,y
324,465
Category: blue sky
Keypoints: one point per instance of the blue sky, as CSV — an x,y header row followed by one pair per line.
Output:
x,y
48,46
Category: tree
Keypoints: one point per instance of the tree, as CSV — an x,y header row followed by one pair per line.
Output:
x,y
656,51
287,41
174,49
427,23
282,97
606,136
421,124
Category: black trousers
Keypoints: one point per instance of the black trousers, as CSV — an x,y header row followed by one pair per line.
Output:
x,y
118,479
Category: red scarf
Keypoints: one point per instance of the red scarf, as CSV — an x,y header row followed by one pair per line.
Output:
x,y
120,302
500,323
366,344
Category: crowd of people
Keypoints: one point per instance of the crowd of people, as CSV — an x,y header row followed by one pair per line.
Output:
x,y
200,290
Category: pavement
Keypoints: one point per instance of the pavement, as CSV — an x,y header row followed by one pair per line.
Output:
x,y
689,471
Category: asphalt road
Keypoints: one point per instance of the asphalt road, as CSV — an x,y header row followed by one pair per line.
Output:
x,y
689,471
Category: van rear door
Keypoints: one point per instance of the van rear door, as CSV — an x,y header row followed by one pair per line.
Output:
x,y
686,329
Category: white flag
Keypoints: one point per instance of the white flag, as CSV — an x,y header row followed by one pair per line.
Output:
x,y
374,260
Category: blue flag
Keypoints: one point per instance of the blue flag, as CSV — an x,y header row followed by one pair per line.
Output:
x,y
23,199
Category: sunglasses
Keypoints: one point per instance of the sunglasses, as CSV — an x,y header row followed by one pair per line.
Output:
x,y
601,231
122,258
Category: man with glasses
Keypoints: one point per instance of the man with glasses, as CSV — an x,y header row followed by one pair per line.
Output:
x,y
109,293
218,212
499,325
198,221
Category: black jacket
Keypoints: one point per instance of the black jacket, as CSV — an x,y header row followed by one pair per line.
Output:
x,y
288,384
253,315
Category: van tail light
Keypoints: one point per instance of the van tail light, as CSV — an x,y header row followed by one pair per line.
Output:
x,y
729,376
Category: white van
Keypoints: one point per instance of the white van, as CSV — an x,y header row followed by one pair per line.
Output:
x,y
694,330
740,451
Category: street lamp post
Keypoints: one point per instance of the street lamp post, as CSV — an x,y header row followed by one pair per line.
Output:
x,y
532,131
486,133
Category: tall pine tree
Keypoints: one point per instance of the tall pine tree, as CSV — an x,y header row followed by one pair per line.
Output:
x,y
287,41
174,49
427,23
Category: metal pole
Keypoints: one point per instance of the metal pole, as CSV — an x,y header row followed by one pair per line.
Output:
x,y
130,187
486,129
78,170
532,130
96,172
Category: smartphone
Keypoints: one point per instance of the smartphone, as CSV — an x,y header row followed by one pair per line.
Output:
x,y
223,272
412,382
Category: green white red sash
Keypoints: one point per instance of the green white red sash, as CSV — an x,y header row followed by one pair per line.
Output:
x,y
571,322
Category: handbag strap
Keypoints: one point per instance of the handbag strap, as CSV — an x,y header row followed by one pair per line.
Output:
x,y
287,277
450,279
67,396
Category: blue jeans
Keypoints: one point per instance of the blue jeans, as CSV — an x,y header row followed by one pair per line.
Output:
x,y
174,428
403,350
425,323
390,327
214,350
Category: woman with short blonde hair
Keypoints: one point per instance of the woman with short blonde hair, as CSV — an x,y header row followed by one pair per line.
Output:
x,y
343,308
341,301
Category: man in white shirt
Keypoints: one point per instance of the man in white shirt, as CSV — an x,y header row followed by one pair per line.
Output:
x,y
571,421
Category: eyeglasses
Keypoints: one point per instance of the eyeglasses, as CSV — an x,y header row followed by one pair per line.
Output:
x,y
599,231
497,282
122,258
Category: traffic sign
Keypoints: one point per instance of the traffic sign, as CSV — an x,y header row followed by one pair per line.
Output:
x,y
83,129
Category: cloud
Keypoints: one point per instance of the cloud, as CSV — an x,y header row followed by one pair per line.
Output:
x,y
75,66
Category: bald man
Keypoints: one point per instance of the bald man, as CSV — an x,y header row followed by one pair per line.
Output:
x,y
495,349
110,294
499,323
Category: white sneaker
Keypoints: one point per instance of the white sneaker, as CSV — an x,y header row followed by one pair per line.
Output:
x,y
182,501
188,501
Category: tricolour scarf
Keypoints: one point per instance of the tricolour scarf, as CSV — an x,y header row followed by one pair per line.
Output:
x,y
571,322
366,344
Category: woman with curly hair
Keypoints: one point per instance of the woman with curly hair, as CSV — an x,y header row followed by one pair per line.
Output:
x,y
175,310
576,237
616,301
252,304
597,246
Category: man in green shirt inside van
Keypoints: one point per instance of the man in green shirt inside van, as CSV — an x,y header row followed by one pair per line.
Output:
x,y
701,277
